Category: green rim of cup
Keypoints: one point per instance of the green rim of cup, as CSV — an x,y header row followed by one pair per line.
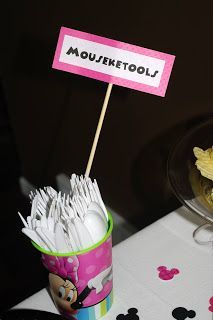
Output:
x,y
110,227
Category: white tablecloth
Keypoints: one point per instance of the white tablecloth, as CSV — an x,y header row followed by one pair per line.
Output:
x,y
167,242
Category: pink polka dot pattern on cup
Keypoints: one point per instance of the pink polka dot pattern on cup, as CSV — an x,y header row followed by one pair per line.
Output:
x,y
166,274
211,304
91,264
82,268
65,267
99,253
90,269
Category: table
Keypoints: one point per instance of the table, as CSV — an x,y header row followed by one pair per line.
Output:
x,y
167,242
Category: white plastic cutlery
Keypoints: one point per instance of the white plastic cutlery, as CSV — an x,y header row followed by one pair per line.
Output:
x,y
50,223
75,235
95,225
33,236
44,222
83,234
50,235
60,241
45,239
100,201
23,220
64,223
72,240
97,208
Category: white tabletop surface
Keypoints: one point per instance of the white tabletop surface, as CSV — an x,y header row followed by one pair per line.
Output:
x,y
167,242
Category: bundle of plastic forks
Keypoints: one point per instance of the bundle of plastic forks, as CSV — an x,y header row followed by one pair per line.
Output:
x,y
69,222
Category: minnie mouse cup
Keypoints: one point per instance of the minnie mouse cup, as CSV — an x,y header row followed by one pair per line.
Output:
x,y
81,282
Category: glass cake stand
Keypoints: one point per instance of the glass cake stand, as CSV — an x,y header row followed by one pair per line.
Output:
x,y
185,179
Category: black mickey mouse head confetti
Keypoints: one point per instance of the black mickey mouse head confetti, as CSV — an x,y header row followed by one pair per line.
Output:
x,y
131,315
182,313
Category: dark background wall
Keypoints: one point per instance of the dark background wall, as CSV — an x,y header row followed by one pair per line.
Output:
x,y
52,115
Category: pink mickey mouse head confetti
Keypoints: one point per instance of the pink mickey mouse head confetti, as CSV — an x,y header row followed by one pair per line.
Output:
x,y
166,274
211,304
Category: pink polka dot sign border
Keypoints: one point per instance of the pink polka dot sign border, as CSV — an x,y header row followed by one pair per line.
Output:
x,y
113,61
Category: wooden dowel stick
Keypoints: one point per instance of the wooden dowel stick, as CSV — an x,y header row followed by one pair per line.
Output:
x,y
98,130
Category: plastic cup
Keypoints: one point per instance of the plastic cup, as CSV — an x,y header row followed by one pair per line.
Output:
x,y
81,282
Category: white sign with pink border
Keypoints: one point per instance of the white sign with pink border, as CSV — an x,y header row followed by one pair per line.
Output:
x,y
113,61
